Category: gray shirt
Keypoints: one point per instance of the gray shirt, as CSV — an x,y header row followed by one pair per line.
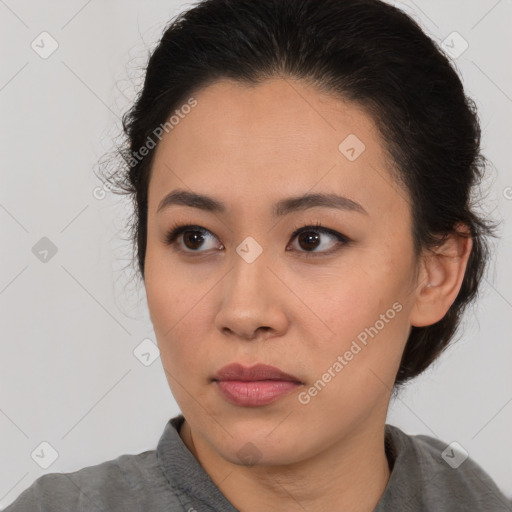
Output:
x,y
171,479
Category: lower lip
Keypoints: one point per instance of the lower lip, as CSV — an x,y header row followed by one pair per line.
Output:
x,y
255,393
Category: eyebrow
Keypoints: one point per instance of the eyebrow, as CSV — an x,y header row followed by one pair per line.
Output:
x,y
281,208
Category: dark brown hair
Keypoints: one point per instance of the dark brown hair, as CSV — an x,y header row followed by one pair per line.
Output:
x,y
365,51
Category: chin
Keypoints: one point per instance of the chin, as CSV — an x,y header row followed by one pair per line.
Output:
x,y
253,447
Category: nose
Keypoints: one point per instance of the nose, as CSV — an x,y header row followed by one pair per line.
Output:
x,y
253,301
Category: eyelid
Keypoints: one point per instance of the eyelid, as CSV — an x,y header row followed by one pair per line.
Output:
x,y
318,226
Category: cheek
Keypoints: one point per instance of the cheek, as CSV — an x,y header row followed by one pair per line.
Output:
x,y
170,291
173,307
355,294
364,313
177,341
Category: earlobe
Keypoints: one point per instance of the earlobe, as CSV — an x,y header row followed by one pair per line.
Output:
x,y
441,278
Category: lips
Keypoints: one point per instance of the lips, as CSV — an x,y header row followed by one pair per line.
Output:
x,y
255,386
257,372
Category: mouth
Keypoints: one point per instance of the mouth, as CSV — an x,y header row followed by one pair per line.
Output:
x,y
254,386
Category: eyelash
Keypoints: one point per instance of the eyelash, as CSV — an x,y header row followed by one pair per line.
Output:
x,y
177,229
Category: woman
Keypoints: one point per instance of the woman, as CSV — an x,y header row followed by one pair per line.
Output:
x,y
301,173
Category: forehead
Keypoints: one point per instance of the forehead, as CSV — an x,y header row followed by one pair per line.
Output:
x,y
280,137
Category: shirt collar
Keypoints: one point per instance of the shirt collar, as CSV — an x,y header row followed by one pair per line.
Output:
x,y
183,471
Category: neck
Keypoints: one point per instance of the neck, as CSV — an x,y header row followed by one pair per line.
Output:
x,y
348,475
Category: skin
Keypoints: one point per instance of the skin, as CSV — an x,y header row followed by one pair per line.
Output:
x,y
250,147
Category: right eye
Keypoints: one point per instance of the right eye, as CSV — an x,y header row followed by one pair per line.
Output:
x,y
193,237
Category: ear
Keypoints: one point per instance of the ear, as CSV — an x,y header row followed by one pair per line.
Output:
x,y
440,278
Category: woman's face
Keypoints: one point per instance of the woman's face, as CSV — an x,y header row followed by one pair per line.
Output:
x,y
334,313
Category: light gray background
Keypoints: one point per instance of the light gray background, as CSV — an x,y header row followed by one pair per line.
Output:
x,y
69,326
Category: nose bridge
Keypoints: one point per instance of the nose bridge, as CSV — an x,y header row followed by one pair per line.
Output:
x,y
249,296
249,273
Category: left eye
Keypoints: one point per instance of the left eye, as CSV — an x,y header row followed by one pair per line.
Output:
x,y
308,238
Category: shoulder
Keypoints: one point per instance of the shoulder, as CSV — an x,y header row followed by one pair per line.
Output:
x,y
449,478
129,482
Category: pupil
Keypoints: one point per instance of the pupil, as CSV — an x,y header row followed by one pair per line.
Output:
x,y
195,234
309,236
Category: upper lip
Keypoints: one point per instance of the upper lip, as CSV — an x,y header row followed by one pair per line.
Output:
x,y
236,371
